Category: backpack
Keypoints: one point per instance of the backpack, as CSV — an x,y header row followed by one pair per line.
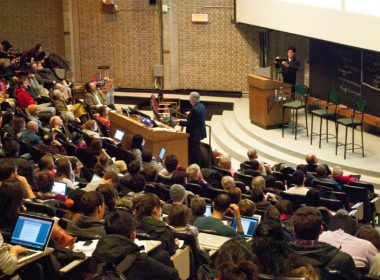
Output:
x,y
108,271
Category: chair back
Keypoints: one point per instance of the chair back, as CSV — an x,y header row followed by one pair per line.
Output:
x,y
367,186
244,167
331,204
246,179
152,188
296,199
189,240
359,194
206,155
181,262
360,107
222,172
102,128
301,92
241,185
213,192
333,97
164,192
196,189
276,277
118,153
40,208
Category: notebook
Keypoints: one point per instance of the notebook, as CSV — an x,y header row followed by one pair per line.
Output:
x,y
33,233
118,136
59,188
161,154
211,241
249,225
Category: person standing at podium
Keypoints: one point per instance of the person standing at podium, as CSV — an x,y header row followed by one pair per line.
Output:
x,y
196,127
289,66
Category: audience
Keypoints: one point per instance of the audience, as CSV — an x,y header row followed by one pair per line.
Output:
x,y
170,163
298,179
137,146
177,196
198,208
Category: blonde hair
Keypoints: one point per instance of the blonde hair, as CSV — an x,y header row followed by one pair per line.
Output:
x,y
224,162
337,171
193,170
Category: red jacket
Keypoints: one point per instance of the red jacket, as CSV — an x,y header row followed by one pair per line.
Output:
x,y
23,98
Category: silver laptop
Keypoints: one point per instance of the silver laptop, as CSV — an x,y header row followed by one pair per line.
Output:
x,y
59,188
118,136
211,241
33,233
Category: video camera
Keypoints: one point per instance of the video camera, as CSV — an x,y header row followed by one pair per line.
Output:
x,y
278,61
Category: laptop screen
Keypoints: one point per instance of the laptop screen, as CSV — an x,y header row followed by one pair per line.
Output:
x,y
208,210
60,188
249,225
162,153
118,135
32,232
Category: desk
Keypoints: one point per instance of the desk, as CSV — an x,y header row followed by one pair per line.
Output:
x,y
149,245
174,142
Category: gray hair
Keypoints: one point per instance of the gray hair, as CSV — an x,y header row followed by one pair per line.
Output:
x,y
56,93
193,170
258,182
195,96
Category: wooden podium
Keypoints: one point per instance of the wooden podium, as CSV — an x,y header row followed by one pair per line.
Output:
x,y
174,142
264,109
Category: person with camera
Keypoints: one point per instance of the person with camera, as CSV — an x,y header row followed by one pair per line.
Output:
x,y
289,66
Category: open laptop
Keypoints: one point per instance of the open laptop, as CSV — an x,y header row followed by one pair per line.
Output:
x,y
95,178
118,136
161,154
33,233
211,241
208,212
59,188
249,225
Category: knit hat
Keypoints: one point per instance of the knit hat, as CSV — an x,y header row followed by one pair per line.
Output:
x,y
177,192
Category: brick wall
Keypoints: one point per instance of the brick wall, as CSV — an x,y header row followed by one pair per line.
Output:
x,y
25,23
128,41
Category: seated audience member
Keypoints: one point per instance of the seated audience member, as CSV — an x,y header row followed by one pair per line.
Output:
x,y
313,198
341,234
170,163
45,182
246,207
133,170
236,261
46,163
235,195
75,209
285,207
24,99
253,155
312,162
8,256
147,160
198,208
221,205
224,162
137,146
119,243
255,169
228,183
307,228
177,196
110,196
150,174
258,196
137,185
90,129
337,175
103,163
103,117
179,221
32,112
26,169
195,176
309,177
11,150
369,233
110,177
322,177
30,134
65,172
90,222
298,179
18,125
95,98
148,212
61,106
57,128
274,256
51,146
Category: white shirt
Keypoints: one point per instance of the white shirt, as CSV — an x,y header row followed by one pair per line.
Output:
x,y
298,190
362,251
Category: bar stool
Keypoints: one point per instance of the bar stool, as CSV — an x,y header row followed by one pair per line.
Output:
x,y
355,120
301,93
327,114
